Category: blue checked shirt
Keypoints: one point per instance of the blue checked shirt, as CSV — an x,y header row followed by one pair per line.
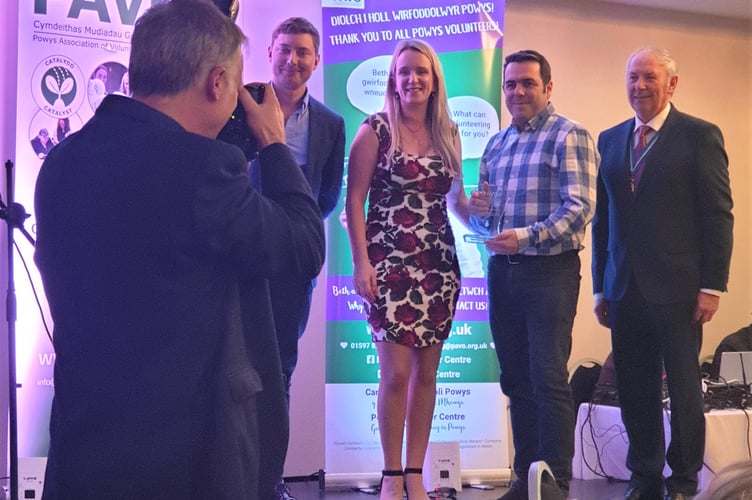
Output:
x,y
543,181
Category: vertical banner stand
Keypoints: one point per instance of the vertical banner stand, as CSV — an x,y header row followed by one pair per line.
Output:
x,y
14,215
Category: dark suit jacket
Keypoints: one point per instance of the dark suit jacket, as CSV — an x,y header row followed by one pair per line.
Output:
x,y
675,233
326,155
39,148
147,236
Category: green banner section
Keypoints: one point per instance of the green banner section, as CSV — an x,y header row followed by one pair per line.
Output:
x,y
468,355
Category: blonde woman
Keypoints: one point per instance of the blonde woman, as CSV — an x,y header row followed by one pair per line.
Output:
x,y
406,160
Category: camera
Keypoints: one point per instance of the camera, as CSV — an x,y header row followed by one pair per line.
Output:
x,y
236,129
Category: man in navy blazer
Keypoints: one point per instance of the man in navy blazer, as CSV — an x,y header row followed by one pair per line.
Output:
x,y
316,137
155,255
662,238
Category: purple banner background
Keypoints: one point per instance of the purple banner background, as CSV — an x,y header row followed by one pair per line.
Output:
x,y
343,304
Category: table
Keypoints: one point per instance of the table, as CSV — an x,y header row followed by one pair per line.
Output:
x,y
599,433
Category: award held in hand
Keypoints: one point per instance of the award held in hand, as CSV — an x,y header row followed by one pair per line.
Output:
x,y
495,214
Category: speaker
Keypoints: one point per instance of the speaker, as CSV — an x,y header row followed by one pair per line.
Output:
x,y
441,469
31,477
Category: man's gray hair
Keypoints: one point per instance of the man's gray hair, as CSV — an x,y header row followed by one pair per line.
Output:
x,y
664,57
176,43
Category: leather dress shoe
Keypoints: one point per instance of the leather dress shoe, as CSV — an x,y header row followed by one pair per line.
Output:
x,y
679,496
635,493
517,491
282,492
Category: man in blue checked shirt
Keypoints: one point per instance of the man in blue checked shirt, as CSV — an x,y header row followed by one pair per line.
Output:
x,y
538,179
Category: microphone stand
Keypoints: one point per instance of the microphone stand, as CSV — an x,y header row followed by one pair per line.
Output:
x,y
14,215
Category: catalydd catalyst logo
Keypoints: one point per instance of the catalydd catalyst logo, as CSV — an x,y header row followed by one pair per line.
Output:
x,y
57,86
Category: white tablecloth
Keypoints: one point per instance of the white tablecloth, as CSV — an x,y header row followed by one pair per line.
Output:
x,y
600,442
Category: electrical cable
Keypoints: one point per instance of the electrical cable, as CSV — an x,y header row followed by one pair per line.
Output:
x,y
598,468
34,292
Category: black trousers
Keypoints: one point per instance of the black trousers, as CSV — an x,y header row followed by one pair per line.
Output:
x,y
648,340
291,304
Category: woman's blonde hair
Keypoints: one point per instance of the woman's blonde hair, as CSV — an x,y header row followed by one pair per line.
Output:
x,y
733,482
440,125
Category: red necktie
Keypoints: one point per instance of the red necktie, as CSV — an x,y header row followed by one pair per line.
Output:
x,y
638,162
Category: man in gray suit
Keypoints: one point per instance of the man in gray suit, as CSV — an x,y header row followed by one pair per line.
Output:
x,y
316,137
662,238
155,255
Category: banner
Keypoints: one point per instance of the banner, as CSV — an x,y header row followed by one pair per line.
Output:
x,y
71,54
358,39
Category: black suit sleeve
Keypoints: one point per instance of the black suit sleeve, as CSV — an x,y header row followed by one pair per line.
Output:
x,y
714,200
332,172
600,231
277,233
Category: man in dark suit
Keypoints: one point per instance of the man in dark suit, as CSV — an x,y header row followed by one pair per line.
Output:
x,y
155,254
316,137
662,237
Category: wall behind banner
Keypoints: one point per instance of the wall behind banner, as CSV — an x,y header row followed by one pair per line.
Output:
x,y
588,43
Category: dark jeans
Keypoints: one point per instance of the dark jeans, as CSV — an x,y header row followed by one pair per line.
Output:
x,y
648,338
532,303
291,304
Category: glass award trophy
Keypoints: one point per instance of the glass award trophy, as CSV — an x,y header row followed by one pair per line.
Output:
x,y
482,238
477,238
495,228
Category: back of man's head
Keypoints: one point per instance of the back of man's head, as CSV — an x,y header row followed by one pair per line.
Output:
x,y
176,43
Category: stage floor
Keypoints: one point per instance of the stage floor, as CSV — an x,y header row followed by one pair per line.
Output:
x,y
593,489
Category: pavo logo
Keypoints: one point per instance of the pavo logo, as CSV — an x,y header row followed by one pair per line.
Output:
x,y
56,86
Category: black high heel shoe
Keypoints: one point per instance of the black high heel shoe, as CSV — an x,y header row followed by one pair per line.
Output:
x,y
411,470
388,473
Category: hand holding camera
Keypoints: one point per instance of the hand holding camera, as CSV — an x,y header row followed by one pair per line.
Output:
x,y
256,122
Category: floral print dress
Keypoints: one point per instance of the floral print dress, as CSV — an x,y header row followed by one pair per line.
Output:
x,y
411,246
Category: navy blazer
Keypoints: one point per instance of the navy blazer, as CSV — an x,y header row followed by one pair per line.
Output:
x,y
166,380
326,155
674,235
